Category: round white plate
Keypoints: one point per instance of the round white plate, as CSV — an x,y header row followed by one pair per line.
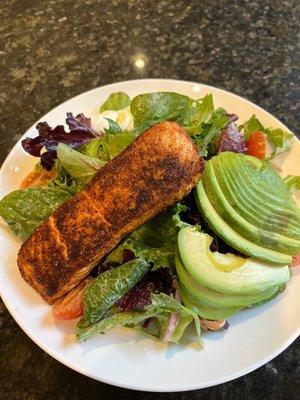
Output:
x,y
123,357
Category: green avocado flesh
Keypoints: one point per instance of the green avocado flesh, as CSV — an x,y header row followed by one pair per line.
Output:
x,y
250,197
232,237
202,309
236,179
214,299
243,226
252,277
254,212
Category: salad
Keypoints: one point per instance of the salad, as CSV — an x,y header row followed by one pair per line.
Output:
x,y
226,246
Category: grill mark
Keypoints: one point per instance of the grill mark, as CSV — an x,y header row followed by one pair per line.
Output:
x,y
96,208
58,239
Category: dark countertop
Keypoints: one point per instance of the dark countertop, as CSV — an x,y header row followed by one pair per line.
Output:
x,y
51,51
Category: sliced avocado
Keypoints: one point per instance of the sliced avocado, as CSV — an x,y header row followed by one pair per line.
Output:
x,y
240,184
215,299
229,175
202,309
255,234
253,277
264,185
255,212
261,177
284,217
233,238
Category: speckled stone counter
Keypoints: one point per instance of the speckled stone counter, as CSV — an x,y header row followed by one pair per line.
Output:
x,y
53,50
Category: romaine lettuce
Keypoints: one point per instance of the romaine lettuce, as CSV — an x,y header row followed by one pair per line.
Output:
x,y
132,318
24,210
104,290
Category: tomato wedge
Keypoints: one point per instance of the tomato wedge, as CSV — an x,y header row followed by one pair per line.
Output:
x,y
256,145
71,305
296,260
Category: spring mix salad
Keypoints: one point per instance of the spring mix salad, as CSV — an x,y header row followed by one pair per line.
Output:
x,y
226,246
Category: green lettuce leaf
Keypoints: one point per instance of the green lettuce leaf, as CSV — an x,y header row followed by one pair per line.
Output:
x,y
151,108
117,320
162,322
24,210
154,241
250,126
108,287
79,166
198,112
165,305
183,323
64,181
114,144
116,102
113,127
162,305
211,130
293,182
91,149
280,139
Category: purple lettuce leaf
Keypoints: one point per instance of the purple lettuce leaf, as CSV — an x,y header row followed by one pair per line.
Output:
x,y
81,132
231,139
139,296
80,123
232,117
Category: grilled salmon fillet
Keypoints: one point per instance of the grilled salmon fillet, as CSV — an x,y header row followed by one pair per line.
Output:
x,y
158,169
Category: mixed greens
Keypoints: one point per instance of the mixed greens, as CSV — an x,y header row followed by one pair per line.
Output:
x,y
202,260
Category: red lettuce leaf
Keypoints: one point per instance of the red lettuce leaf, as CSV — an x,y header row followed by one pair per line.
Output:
x,y
231,139
80,123
81,132
139,296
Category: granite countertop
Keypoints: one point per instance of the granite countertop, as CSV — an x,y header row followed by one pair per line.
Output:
x,y
51,51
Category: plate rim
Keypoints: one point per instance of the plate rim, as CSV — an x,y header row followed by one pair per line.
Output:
x,y
141,80
214,382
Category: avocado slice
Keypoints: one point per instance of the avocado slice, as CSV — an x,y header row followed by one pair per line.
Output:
x,y
233,238
255,234
282,217
257,213
251,278
214,299
202,309
260,177
263,184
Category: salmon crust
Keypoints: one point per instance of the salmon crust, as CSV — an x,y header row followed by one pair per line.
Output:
x,y
158,169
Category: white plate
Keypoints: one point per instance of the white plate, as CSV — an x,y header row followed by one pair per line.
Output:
x,y
123,357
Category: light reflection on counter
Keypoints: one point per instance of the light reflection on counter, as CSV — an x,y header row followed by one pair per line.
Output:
x,y
139,61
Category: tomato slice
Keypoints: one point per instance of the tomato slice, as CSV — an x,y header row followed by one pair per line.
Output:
x,y
256,145
296,260
71,305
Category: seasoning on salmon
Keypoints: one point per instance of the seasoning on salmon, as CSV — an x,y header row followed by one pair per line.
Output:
x,y
158,169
